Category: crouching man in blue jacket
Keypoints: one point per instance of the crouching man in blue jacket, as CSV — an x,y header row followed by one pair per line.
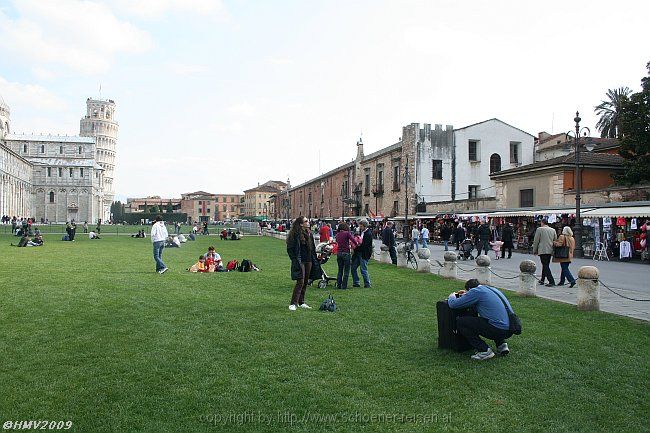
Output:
x,y
492,323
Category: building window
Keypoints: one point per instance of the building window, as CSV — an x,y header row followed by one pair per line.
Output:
x,y
51,196
396,170
380,180
60,149
526,198
81,172
366,209
473,150
24,148
70,172
495,163
472,191
437,169
199,202
49,172
60,172
396,207
366,187
515,156
42,148
79,150
207,211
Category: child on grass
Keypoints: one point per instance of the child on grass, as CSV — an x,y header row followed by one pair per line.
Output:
x,y
199,266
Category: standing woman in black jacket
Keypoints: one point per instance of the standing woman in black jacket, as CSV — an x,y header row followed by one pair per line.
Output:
x,y
304,264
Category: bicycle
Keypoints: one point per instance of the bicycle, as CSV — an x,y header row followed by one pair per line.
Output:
x,y
411,260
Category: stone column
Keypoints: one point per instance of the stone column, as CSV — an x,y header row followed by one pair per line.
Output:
x,y
424,265
449,269
588,290
384,255
401,256
483,274
527,279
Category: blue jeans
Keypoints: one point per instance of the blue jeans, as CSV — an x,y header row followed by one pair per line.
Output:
x,y
415,245
424,243
446,244
343,260
158,248
357,261
566,273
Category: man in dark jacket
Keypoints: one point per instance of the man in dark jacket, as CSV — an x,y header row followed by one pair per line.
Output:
x,y
484,238
445,235
362,255
459,235
388,239
507,236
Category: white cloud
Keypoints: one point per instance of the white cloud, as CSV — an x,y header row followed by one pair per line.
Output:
x,y
82,35
243,108
156,8
30,96
281,61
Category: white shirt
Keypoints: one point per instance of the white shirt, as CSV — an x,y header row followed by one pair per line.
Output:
x,y
415,234
425,233
159,232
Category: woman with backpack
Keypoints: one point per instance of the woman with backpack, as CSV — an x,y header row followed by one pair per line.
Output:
x,y
304,263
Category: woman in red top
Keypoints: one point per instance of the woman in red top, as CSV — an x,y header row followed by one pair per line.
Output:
x,y
324,233
345,241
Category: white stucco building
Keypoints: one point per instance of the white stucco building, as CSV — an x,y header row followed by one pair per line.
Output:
x,y
59,178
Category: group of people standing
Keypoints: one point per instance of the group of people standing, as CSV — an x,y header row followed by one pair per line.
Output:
x,y
354,252
483,236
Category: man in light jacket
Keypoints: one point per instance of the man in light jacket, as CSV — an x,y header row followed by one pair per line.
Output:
x,y
543,246
158,236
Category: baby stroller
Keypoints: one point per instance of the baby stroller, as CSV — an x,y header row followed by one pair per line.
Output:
x,y
323,252
466,248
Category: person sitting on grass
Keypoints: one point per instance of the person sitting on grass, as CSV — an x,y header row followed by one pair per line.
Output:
x,y
213,260
36,242
493,322
199,266
93,235
24,240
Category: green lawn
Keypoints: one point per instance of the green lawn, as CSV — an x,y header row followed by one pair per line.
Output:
x,y
90,333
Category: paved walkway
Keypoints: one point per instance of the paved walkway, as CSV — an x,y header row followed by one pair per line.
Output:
x,y
628,279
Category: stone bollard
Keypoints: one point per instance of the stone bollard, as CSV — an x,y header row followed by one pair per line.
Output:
x,y
424,265
401,256
483,274
588,290
527,279
384,255
449,270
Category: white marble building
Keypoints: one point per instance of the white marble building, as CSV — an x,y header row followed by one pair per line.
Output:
x,y
59,178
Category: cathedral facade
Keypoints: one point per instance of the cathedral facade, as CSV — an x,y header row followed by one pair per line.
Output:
x,y
60,178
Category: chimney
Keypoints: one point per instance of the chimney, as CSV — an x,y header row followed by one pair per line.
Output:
x,y
360,149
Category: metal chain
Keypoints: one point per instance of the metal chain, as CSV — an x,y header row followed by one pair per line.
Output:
x,y
622,296
505,278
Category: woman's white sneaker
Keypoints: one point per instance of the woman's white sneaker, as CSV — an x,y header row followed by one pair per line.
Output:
x,y
292,307
305,306
503,349
481,356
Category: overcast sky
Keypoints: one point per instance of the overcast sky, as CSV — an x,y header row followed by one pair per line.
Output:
x,y
220,95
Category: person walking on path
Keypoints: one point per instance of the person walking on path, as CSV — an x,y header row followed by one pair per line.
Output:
x,y
424,235
158,236
459,235
543,246
304,264
484,234
507,236
565,240
345,241
361,255
415,237
388,239
445,235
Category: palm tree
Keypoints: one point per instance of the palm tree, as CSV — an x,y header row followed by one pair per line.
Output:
x,y
609,112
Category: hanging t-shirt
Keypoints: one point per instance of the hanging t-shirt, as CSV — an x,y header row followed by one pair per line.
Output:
x,y
607,221
620,221
552,218
633,224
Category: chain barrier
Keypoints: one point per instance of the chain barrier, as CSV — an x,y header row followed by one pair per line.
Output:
x,y
505,278
622,296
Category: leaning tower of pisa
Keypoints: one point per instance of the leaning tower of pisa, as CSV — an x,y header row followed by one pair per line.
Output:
x,y
99,122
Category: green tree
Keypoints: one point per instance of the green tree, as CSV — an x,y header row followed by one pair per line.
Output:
x,y
170,207
117,210
154,209
609,112
635,135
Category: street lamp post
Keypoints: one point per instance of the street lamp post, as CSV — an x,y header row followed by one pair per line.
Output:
x,y
577,229
406,187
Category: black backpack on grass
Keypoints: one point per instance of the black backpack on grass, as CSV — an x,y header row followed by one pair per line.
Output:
x,y
245,266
